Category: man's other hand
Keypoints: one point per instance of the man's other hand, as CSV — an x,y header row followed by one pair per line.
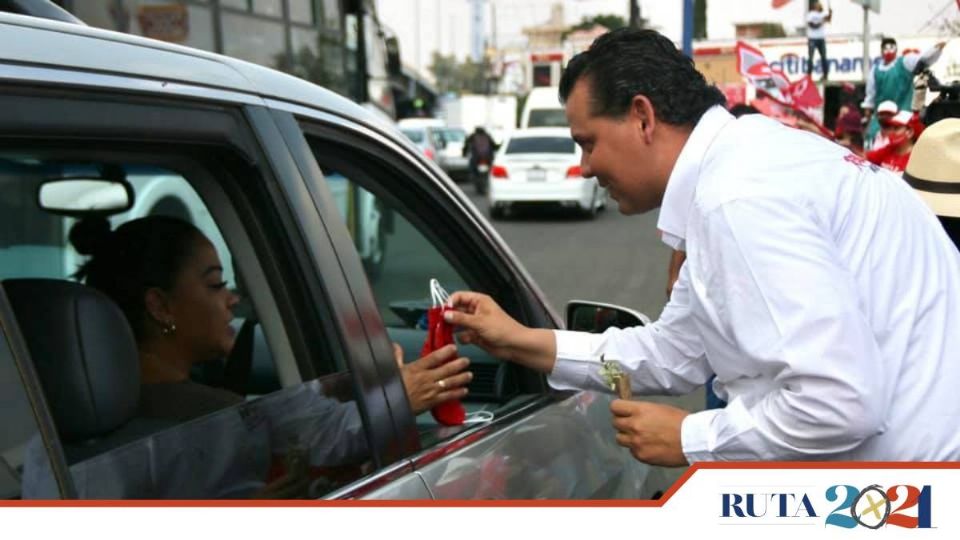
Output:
x,y
650,431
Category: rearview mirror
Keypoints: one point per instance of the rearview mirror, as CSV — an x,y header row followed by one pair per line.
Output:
x,y
79,197
596,317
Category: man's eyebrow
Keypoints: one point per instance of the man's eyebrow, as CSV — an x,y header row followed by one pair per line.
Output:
x,y
212,269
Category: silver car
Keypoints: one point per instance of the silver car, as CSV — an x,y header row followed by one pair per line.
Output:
x,y
288,178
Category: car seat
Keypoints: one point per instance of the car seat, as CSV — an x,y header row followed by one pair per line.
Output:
x,y
86,358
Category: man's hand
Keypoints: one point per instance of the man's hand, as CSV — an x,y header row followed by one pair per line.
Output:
x,y
650,431
433,379
483,323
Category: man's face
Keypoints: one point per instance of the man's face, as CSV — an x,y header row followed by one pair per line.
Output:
x,y
616,152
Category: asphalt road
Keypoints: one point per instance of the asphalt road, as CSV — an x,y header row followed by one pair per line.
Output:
x,y
613,258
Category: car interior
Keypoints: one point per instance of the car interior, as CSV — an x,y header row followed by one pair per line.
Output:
x,y
89,371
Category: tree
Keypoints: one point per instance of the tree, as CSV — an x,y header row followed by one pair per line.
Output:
x,y
461,77
611,22
700,19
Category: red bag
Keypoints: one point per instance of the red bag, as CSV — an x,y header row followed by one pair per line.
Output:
x,y
440,334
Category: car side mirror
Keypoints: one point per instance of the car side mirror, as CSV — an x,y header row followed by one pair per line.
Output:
x,y
596,317
79,197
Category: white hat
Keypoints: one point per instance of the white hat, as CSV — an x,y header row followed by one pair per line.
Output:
x,y
888,107
934,167
902,118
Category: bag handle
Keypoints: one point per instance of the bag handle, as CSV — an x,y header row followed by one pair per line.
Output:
x,y
438,294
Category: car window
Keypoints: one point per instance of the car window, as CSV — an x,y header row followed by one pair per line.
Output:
x,y
415,135
547,118
255,423
541,145
402,248
20,440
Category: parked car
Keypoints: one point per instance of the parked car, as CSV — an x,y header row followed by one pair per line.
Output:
x,y
289,176
542,165
428,139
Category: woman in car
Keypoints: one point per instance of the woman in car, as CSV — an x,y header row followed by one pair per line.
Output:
x,y
166,277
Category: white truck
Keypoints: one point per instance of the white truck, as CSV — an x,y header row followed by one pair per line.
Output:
x,y
497,113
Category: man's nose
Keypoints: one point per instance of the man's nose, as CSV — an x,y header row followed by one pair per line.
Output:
x,y
585,170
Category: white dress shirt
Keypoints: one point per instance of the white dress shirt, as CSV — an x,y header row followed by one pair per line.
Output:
x,y
818,18
821,290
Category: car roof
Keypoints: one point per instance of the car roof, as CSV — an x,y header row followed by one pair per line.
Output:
x,y
541,132
104,51
421,122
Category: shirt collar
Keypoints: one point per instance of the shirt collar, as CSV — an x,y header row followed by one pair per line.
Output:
x,y
682,184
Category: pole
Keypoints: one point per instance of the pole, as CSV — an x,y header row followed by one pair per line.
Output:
x,y
688,28
867,66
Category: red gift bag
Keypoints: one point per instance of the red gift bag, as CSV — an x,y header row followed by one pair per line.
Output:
x,y
440,334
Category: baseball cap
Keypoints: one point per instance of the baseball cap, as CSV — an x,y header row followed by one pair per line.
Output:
x,y
888,106
902,118
934,167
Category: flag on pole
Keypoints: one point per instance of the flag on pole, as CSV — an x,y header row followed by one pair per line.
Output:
x,y
804,94
777,4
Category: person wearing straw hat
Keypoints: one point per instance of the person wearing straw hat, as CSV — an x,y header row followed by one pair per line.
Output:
x,y
934,172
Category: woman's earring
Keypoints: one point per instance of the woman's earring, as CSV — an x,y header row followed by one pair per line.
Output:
x,y
168,328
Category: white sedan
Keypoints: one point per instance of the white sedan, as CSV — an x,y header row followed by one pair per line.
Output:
x,y
542,165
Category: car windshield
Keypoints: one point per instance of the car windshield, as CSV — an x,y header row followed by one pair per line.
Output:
x,y
414,135
541,145
547,118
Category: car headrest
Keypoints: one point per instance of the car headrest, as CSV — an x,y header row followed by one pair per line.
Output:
x,y
83,351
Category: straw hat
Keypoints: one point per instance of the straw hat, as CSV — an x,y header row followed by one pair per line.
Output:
x,y
934,167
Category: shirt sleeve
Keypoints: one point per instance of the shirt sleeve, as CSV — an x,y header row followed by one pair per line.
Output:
x,y
807,363
664,357
929,57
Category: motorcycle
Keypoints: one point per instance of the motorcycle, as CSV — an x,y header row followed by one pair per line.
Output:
x,y
480,176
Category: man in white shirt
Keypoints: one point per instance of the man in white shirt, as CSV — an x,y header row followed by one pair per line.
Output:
x,y
817,37
821,290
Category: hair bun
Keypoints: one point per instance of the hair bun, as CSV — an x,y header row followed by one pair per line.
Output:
x,y
90,235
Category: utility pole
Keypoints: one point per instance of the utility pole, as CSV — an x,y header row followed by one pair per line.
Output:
x,y
634,6
867,67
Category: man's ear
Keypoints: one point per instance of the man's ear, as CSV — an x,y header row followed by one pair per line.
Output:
x,y
641,111
157,306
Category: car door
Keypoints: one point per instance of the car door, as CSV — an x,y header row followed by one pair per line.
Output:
x,y
538,443
260,216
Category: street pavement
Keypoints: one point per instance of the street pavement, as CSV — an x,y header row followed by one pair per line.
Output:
x,y
613,258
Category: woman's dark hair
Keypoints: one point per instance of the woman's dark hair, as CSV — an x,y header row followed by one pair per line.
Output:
x,y
626,62
125,263
887,40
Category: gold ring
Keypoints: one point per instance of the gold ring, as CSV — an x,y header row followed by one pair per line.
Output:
x,y
441,384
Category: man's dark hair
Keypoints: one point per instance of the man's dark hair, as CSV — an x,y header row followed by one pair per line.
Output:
x,y
626,62
741,109
887,40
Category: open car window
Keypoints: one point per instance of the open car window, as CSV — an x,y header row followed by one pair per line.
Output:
x,y
404,243
276,430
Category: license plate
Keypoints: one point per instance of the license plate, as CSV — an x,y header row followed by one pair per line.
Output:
x,y
536,175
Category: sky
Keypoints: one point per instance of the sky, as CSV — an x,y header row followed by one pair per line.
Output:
x,y
424,26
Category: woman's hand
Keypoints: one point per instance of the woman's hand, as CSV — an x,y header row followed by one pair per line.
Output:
x,y
433,379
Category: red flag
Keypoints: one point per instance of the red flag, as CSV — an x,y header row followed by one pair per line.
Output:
x,y
751,62
777,4
805,94
754,67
